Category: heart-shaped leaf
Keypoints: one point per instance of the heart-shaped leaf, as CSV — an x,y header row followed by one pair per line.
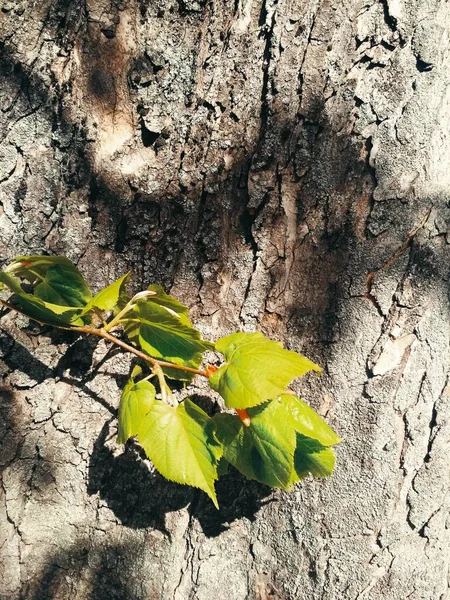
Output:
x,y
63,286
161,333
180,443
256,369
264,450
39,310
56,279
59,291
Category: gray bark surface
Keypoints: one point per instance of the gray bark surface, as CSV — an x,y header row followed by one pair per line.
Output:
x,y
277,165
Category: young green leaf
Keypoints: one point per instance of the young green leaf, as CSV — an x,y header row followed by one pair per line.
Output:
x,y
40,310
311,457
63,286
170,303
307,422
36,267
265,449
161,334
136,401
56,279
256,370
108,299
180,443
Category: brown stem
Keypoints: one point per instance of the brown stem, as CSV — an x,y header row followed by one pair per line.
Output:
x,y
155,363
114,340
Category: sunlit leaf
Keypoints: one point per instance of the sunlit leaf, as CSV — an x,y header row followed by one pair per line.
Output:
x,y
136,401
307,422
180,443
171,304
264,450
162,334
276,438
256,369
108,299
311,457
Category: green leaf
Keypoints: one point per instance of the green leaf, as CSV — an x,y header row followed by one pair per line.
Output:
x,y
311,457
59,289
38,309
222,467
136,401
56,279
162,334
35,267
177,375
180,443
108,299
256,370
264,450
307,422
170,303
11,283
160,325
63,286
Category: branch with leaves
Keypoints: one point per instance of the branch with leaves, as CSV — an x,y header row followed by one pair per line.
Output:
x,y
270,436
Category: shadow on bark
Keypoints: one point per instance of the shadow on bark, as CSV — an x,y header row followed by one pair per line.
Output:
x,y
77,361
140,497
102,571
152,230
10,425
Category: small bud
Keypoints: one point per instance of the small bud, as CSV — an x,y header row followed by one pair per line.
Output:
x,y
210,369
244,416
142,295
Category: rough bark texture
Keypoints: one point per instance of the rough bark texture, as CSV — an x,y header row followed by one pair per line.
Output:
x,y
279,165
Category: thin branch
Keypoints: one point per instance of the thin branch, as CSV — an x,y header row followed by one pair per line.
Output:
x,y
155,363
114,340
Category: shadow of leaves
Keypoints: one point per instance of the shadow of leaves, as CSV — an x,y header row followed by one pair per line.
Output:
x,y
140,497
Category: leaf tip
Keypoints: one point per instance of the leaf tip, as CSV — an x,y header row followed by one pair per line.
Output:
x,y
214,500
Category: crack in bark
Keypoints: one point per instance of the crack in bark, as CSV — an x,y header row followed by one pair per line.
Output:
x,y
392,260
373,175
247,222
17,532
434,430
267,31
391,21
189,556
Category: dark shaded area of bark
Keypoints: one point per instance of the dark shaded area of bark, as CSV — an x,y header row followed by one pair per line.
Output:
x,y
154,234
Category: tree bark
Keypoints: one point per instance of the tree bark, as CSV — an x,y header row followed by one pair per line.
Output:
x,y
278,165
